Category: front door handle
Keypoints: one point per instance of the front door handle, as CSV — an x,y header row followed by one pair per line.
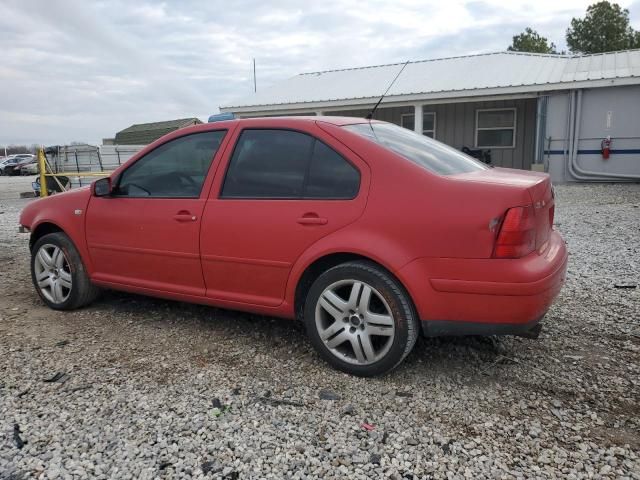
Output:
x,y
312,219
184,216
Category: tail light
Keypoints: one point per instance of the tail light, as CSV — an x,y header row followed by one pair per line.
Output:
x,y
517,236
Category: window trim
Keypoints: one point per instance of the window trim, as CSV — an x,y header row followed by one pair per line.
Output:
x,y
118,179
424,130
514,128
304,181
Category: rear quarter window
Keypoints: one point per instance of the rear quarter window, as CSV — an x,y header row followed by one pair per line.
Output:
x,y
330,175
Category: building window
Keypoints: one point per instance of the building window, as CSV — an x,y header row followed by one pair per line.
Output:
x,y
407,120
496,128
429,124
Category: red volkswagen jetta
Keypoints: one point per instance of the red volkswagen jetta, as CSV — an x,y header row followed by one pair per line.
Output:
x,y
367,232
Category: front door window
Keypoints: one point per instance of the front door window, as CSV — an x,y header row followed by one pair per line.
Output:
x,y
176,169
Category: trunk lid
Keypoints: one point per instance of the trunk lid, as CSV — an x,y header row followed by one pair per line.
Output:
x,y
536,184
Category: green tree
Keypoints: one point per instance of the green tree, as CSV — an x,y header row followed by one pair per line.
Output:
x,y
605,28
531,41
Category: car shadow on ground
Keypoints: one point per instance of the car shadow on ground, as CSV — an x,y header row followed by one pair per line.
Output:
x,y
264,332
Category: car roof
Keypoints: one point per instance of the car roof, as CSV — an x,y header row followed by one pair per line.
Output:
x,y
289,120
284,122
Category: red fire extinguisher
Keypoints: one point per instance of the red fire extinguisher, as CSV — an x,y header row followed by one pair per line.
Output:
x,y
605,147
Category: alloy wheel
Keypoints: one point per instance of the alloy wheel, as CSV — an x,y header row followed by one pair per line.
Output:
x,y
53,273
355,322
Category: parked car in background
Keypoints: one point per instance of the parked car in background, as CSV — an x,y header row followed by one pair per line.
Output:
x,y
7,162
25,156
367,232
54,185
16,168
30,168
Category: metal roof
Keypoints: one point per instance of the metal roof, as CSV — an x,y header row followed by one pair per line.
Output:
x,y
471,75
145,133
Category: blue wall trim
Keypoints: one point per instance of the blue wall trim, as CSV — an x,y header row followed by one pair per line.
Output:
x,y
628,151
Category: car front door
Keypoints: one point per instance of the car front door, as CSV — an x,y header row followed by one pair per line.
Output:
x,y
146,233
282,191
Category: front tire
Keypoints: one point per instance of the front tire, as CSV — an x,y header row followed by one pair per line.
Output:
x,y
360,319
58,274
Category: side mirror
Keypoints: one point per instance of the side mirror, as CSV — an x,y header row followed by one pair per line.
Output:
x,y
102,187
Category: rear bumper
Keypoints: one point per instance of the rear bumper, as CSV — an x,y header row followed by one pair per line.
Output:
x,y
474,296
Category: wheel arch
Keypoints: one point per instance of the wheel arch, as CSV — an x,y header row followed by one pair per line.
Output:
x,y
42,229
329,260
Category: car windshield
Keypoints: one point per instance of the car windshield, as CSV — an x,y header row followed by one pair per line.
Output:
x,y
426,152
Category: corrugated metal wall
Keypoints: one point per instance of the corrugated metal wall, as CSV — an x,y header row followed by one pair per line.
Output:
x,y
391,115
613,112
455,126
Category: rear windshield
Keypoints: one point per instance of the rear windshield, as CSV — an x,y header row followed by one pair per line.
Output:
x,y
426,152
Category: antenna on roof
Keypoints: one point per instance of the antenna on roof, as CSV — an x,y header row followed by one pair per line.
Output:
x,y
255,86
370,114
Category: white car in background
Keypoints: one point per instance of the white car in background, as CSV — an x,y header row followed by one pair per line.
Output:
x,y
29,169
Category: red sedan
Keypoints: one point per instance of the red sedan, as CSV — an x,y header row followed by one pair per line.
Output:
x,y
367,232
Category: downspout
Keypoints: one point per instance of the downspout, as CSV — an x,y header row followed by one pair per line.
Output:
x,y
574,168
541,130
537,157
546,158
568,142
543,136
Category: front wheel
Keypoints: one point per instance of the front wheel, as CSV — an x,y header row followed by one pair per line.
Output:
x,y
58,273
360,319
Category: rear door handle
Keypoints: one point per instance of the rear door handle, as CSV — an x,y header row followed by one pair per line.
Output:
x,y
312,219
184,216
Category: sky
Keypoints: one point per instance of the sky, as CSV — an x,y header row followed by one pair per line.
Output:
x,y
81,70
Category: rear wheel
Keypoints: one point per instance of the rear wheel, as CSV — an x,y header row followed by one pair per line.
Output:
x,y
360,319
59,275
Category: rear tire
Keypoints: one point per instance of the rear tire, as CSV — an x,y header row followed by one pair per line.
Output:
x,y
360,319
58,274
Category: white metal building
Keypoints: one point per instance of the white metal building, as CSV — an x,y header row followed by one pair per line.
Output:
x,y
527,110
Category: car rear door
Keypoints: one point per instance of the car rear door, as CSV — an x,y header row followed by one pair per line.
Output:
x,y
280,191
146,234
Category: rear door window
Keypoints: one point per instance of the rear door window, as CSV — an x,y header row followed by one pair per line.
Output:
x,y
268,164
285,164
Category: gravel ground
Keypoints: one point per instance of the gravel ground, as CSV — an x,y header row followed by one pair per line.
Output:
x,y
159,389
